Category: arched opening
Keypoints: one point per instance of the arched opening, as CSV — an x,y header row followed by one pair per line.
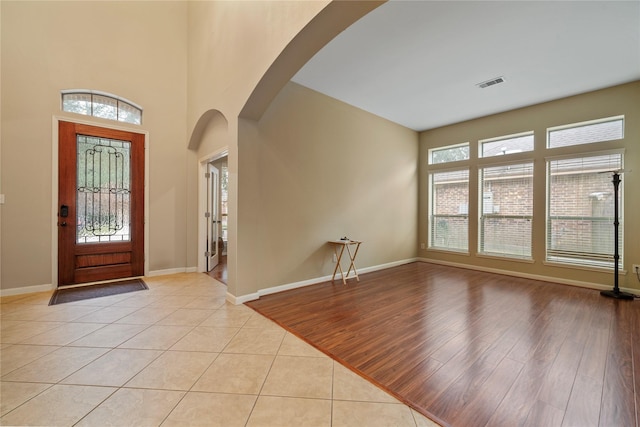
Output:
x,y
209,141
214,126
331,21
326,25
211,121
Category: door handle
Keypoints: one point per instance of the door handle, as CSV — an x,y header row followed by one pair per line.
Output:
x,y
63,224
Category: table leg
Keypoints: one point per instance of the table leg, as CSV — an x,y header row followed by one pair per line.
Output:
x,y
353,259
338,266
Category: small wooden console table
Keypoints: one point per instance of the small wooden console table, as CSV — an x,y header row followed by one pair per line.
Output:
x,y
338,249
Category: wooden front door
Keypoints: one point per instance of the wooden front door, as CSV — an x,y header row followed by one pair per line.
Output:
x,y
100,204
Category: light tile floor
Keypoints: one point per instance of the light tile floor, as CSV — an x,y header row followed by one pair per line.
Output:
x,y
175,355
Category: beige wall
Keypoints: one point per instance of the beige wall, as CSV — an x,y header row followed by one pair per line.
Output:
x,y
1,150
315,169
136,50
179,60
231,46
240,54
619,100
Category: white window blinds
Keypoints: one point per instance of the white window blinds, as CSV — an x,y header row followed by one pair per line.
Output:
x,y
580,210
449,210
506,206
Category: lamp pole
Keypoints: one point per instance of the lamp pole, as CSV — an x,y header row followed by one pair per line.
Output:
x,y
615,292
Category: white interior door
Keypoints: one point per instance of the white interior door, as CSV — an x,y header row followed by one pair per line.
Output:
x,y
212,216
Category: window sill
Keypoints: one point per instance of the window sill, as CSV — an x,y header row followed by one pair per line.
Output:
x,y
449,251
583,267
505,258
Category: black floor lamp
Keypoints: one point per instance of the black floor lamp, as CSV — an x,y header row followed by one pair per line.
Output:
x,y
615,292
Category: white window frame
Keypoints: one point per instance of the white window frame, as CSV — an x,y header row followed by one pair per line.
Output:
x,y
580,259
94,93
584,124
483,214
463,213
482,142
449,147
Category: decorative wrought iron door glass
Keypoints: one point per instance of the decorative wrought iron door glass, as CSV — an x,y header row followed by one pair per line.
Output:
x,y
103,190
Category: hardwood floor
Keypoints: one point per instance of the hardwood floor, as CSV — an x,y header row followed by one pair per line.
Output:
x,y
219,272
468,348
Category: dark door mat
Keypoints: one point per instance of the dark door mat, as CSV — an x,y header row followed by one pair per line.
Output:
x,y
62,296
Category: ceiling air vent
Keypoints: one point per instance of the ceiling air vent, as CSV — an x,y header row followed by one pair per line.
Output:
x,y
491,82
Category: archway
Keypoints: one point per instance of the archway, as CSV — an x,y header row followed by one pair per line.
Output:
x,y
331,21
326,25
209,142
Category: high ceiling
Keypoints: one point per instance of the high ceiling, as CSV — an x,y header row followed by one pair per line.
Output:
x,y
418,63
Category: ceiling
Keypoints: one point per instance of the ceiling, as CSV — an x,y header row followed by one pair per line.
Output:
x,y
418,63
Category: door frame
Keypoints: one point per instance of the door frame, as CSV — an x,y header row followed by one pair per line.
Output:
x,y
54,187
203,163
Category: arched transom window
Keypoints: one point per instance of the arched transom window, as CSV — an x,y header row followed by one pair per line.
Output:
x,y
101,104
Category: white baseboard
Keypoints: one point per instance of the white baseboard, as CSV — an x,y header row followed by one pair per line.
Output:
x,y
286,287
242,299
578,283
51,287
26,290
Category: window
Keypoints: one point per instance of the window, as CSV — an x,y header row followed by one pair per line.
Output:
x,y
506,203
451,153
580,210
607,129
506,145
103,190
449,210
224,201
103,105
